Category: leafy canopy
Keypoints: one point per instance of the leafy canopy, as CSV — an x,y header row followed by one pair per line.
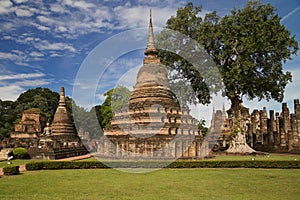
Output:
x,y
249,47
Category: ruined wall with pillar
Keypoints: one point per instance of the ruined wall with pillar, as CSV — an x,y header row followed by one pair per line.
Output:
x,y
273,131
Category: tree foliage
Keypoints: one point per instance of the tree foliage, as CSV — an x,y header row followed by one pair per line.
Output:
x,y
7,117
42,98
116,98
249,47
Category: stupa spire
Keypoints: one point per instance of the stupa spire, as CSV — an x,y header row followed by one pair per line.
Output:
x,y
151,51
62,99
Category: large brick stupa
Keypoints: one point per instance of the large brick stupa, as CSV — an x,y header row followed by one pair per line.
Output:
x,y
153,125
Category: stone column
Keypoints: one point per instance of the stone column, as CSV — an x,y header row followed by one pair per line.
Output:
x,y
277,129
263,124
285,125
117,149
272,127
297,125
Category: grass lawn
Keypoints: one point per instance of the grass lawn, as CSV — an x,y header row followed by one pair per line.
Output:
x,y
161,184
14,162
259,157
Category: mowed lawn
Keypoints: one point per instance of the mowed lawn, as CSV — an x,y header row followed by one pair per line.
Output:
x,y
161,184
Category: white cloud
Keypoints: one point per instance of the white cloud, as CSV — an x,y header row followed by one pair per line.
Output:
x,y
10,92
46,45
15,56
11,85
21,76
57,8
20,1
9,56
45,19
23,12
79,4
5,6
61,29
36,54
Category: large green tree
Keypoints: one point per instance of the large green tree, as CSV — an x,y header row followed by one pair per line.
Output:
x,y
249,47
42,98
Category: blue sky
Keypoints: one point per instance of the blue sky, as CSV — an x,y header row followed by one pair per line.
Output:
x,y
47,43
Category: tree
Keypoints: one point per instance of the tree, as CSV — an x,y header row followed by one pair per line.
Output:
x,y
7,118
116,98
42,98
249,47
179,50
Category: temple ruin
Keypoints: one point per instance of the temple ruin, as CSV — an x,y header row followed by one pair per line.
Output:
x,y
45,141
277,132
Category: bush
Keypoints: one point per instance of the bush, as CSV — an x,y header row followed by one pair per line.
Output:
x,y
64,165
161,164
11,170
20,153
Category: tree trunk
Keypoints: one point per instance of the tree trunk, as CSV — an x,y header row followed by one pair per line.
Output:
x,y
238,116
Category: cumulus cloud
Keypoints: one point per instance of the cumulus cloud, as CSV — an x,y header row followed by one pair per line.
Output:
x,y
12,84
5,6
36,54
10,56
79,4
23,12
10,92
46,45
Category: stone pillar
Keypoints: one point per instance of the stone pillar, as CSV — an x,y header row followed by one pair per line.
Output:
x,y
294,131
117,149
285,126
255,121
296,127
271,128
277,130
263,124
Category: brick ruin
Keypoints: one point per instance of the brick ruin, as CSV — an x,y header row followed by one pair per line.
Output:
x,y
44,141
31,125
273,132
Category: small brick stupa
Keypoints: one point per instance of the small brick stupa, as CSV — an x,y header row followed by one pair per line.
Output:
x,y
153,126
44,141
62,125
60,140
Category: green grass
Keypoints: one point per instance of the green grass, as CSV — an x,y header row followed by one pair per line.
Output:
x,y
259,157
14,162
161,184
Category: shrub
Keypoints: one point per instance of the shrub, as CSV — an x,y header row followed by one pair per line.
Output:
x,y
11,170
20,153
161,164
64,165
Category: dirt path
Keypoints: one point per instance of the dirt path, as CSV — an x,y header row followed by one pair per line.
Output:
x,y
76,158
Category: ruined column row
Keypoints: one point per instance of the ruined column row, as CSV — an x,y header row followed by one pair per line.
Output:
x,y
278,132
